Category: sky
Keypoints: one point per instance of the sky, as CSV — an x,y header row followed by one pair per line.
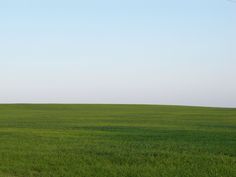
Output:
x,y
176,52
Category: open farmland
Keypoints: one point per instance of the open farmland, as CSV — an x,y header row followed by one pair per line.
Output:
x,y
117,141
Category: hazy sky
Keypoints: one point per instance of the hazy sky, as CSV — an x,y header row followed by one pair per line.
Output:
x,y
118,51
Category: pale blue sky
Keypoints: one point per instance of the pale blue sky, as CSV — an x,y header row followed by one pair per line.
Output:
x,y
126,51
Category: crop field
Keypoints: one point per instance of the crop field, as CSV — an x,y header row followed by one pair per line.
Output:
x,y
117,141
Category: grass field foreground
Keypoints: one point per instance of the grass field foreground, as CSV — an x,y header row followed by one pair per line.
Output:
x,y
117,141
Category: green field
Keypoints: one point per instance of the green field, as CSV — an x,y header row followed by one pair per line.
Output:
x,y
117,141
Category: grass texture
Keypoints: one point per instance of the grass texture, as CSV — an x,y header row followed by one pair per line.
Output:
x,y
117,141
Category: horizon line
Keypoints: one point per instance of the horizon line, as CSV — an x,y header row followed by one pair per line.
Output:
x,y
135,104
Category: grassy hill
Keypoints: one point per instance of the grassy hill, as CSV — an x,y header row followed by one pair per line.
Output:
x,y
117,141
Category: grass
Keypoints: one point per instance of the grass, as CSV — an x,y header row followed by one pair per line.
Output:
x,y
117,141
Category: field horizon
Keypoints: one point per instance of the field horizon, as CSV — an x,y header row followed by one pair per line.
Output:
x,y
124,104
116,140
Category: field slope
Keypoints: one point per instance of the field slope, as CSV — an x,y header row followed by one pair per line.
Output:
x,y
117,141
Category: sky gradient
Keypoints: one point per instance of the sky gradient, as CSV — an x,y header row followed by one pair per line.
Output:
x,y
127,51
